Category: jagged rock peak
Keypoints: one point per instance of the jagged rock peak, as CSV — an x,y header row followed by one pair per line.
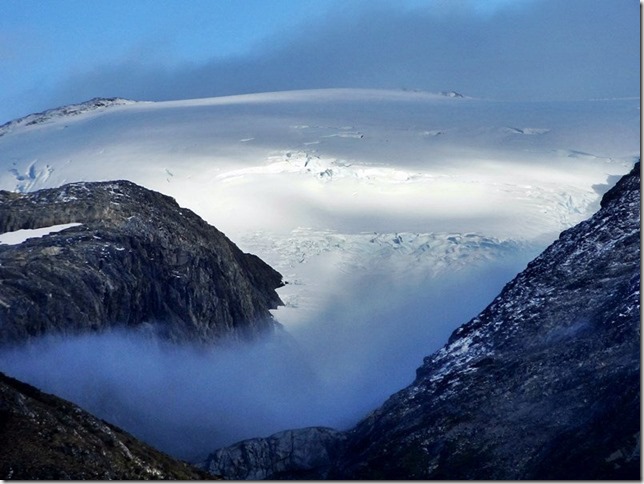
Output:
x,y
135,259
46,437
93,104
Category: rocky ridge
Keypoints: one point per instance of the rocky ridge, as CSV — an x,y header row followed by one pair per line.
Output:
x,y
543,384
136,260
94,104
45,437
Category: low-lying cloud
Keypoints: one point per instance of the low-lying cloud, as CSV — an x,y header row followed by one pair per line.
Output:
x,y
332,370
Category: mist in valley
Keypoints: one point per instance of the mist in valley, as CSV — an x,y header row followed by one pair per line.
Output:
x,y
331,369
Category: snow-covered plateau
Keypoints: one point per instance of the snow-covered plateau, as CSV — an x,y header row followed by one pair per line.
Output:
x,y
394,216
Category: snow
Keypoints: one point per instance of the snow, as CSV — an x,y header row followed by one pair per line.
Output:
x,y
396,173
19,236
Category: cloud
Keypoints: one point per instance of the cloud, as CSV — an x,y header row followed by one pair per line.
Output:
x,y
533,50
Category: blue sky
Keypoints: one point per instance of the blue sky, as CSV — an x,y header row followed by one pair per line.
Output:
x,y
63,51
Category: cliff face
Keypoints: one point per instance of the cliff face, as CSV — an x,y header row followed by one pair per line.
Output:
x,y
45,437
137,260
543,384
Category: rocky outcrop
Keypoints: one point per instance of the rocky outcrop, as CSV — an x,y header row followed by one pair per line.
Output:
x,y
296,454
45,437
543,384
136,260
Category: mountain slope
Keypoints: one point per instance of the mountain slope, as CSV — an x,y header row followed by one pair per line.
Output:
x,y
543,384
132,258
45,437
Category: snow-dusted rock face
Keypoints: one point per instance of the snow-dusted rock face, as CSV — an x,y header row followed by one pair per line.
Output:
x,y
543,384
129,257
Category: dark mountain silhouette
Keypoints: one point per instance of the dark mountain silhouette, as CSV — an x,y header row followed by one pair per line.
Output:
x,y
45,437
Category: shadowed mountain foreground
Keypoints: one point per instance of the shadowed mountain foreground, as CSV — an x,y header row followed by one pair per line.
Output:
x,y
45,437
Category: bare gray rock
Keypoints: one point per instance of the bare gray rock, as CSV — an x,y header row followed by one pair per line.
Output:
x,y
137,260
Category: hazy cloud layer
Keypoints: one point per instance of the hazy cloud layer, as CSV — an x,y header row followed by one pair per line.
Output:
x,y
331,370
545,49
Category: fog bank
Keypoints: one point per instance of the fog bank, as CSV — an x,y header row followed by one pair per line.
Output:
x,y
331,370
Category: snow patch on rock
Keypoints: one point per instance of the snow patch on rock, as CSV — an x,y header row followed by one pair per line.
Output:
x,y
19,236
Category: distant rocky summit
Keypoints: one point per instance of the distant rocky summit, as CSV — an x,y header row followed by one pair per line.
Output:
x,y
135,260
543,384
45,437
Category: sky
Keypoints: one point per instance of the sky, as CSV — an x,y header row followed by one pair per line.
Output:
x,y
59,52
